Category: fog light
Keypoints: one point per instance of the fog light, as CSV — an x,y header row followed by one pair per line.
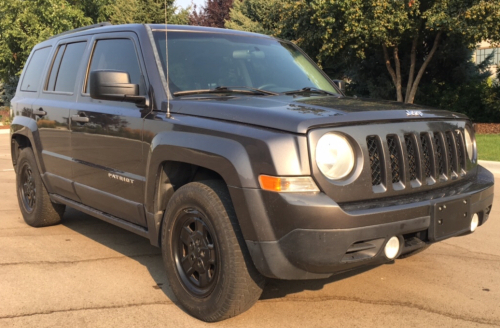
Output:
x,y
474,222
392,248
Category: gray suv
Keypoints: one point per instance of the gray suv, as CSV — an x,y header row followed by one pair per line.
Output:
x,y
237,156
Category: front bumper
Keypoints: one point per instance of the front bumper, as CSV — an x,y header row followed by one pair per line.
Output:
x,y
311,237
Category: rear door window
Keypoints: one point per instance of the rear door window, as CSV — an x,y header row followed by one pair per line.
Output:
x,y
65,67
34,70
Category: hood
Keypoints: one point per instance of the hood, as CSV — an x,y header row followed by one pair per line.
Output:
x,y
298,114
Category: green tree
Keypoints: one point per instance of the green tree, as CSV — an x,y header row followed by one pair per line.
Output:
x,y
351,27
96,10
24,23
258,16
142,11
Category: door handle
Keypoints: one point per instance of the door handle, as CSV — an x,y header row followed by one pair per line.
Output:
x,y
39,112
80,119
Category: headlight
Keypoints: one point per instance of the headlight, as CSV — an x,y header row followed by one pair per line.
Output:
x,y
469,144
334,156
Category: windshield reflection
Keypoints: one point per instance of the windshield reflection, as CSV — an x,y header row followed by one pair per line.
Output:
x,y
206,61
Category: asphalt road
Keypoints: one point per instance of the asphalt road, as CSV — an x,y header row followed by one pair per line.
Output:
x,y
87,273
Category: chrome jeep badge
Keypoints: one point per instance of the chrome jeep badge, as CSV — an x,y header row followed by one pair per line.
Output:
x,y
414,113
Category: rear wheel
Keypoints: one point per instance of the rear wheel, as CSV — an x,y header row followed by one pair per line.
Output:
x,y
206,260
34,201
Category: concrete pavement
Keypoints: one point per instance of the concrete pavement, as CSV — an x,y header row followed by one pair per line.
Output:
x,y
494,167
87,273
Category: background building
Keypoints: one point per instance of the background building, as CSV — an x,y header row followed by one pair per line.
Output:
x,y
483,50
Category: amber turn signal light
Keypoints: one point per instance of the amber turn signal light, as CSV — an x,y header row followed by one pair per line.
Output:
x,y
287,184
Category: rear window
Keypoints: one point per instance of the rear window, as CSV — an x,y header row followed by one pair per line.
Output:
x,y
33,73
65,68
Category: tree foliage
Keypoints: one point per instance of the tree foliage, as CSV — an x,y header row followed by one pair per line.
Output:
x,y
143,11
24,23
334,32
353,26
258,16
452,81
213,14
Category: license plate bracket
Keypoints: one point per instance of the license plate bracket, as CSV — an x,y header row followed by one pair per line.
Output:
x,y
449,218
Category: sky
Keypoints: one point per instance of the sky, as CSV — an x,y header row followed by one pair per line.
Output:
x,y
187,3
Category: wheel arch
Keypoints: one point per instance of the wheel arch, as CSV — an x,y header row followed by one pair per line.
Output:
x,y
24,133
177,158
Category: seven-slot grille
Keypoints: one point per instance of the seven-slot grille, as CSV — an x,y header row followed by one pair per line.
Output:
x,y
428,155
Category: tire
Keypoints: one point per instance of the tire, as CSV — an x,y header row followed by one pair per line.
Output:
x,y
34,201
206,259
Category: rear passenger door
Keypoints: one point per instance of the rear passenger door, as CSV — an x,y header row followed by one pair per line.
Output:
x,y
106,140
31,81
29,87
53,106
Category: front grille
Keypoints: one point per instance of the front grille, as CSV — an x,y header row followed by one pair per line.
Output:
x,y
426,154
394,157
412,156
429,156
449,143
438,149
375,162
460,148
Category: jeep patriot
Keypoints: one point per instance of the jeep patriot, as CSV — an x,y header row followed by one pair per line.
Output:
x,y
237,156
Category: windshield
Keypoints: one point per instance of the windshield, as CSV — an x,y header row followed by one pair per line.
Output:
x,y
200,61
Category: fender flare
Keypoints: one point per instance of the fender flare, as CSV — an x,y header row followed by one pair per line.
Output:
x,y
226,157
26,126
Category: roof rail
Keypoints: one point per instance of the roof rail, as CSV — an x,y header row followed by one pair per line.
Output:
x,y
82,29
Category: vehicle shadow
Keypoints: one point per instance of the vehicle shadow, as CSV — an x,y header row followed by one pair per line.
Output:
x,y
140,249
122,241
280,288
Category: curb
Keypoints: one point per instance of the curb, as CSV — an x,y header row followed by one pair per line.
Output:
x,y
493,167
4,131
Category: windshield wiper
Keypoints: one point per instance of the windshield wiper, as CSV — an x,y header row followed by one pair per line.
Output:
x,y
222,89
310,90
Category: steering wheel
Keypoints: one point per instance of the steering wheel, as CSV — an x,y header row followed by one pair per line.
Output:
x,y
267,85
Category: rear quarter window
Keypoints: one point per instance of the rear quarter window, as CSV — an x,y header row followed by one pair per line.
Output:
x,y
65,67
34,70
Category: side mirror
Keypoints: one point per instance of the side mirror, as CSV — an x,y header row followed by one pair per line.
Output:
x,y
340,84
113,85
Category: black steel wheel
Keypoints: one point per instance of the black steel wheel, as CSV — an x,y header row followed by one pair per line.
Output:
x,y
28,187
34,200
206,259
195,248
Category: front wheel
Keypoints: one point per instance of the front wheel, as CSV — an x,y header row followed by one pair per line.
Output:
x,y
206,260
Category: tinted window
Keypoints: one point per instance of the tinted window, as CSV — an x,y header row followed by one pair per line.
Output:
x,y
63,74
205,61
32,76
119,55
55,68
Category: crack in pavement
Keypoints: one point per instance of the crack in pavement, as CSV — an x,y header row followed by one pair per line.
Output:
x,y
468,257
85,309
78,261
387,303
469,251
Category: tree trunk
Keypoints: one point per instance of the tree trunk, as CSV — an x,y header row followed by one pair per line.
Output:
x,y
412,67
414,87
392,73
398,75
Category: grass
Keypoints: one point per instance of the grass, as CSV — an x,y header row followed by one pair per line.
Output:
x,y
488,147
